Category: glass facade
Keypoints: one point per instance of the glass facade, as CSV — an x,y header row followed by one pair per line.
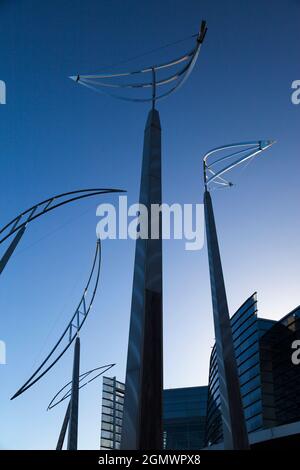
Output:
x,y
281,393
112,413
247,330
184,418
269,381
184,411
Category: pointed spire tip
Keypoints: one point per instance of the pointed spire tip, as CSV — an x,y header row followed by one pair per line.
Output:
x,y
75,77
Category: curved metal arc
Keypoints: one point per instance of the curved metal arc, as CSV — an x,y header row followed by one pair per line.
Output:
x,y
177,61
52,199
182,77
233,165
161,82
174,62
81,378
115,96
68,393
139,56
226,157
180,82
224,147
91,192
257,148
30,382
232,155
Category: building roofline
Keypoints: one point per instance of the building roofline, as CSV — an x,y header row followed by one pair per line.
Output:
x,y
185,388
288,314
254,295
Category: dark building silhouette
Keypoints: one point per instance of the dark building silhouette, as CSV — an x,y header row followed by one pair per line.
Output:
x,y
281,378
269,381
184,413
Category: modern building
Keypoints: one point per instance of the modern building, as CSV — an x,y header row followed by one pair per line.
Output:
x,y
269,382
246,331
112,413
270,389
281,377
184,417
184,412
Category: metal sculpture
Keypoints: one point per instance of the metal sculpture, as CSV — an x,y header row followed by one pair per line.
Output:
x,y
107,81
73,327
213,172
68,418
234,426
142,417
85,378
19,224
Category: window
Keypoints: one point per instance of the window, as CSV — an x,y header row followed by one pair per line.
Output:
x,y
249,374
106,443
253,409
251,397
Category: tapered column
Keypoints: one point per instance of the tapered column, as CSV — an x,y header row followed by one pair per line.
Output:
x,y
142,418
13,245
234,426
63,430
73,422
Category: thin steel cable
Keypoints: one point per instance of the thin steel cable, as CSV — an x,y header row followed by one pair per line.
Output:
x,y
139,56
95,81
163,65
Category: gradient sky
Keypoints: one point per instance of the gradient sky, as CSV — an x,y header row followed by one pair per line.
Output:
x,y
56,136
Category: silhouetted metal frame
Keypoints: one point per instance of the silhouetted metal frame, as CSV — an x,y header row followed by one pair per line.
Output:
x,y
47,203
63,431
82,376
234,425
246,151
80,317
95,81
66,420
74,400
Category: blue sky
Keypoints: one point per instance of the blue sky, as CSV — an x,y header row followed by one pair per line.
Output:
x,y
56,136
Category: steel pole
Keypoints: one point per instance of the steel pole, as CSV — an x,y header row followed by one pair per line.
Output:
x,y
142,416
63,430
234,426
73,424
5,258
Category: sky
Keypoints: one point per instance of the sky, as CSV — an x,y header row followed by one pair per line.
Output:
x,y
56,136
